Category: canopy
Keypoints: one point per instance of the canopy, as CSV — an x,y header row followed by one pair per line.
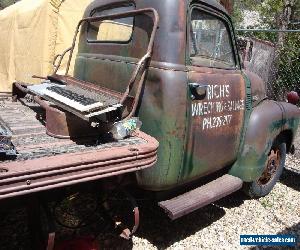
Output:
x,y
32,32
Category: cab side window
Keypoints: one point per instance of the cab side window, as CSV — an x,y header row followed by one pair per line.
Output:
x,y
210,44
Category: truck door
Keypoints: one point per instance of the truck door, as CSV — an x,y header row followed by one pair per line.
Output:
x,y
216,95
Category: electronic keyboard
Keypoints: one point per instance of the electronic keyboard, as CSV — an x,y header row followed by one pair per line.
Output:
x,y
88,102
70,98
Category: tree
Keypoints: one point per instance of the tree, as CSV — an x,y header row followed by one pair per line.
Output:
x,y
277,14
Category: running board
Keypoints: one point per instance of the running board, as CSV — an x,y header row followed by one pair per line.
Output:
x,y
201,196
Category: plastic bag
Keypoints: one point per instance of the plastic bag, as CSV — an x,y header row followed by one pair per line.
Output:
x,y
123,129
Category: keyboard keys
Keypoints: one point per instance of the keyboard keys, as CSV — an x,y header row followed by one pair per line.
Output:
x,y
72,96
72,99
89,102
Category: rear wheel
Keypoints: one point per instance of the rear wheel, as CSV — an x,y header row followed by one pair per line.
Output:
x,y
272,172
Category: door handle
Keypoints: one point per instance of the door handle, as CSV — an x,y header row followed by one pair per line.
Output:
x,y
198,90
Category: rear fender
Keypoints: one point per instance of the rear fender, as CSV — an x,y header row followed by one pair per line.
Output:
x,y
267,121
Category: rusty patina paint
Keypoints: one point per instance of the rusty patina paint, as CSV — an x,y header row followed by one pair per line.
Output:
x,y
209,147
166,108
267,121
164,116
110,65
45,163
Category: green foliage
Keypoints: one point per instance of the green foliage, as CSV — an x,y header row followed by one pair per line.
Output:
x,y
270,11
240,6
288,60
289,65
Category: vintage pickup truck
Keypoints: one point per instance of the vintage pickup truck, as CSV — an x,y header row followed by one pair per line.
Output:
x,y
213,120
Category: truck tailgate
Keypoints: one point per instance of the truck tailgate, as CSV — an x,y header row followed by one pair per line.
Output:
x,y
44,162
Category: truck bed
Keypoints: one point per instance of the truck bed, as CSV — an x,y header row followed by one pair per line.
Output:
x,y
44,162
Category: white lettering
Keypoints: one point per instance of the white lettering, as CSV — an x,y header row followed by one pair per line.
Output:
x,y
194,109
200,109
216,105
218,91
216,122
227,90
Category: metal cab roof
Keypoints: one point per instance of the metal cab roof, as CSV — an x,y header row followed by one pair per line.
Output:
x,y
170,41
146,3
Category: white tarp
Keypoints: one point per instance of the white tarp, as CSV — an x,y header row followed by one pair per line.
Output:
x,y
31,33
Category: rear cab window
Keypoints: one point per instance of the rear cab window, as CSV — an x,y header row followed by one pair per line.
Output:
x,y
111,31
210,43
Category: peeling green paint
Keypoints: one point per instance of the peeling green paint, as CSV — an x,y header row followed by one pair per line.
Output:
x,y
236,169
252,159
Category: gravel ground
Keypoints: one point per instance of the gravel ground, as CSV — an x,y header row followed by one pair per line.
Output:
x,y
217,226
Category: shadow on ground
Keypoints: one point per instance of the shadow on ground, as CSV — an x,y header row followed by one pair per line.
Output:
x,y
234,200
14,230
161,232
291,178
158,229
155,226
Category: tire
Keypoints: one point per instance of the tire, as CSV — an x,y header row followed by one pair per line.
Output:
x,y
272,172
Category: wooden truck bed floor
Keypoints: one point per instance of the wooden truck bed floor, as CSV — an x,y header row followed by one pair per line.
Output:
x,y
44,162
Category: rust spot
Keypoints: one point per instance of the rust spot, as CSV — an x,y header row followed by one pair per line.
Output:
x,y
3,170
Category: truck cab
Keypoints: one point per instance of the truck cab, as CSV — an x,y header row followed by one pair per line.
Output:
x,y
207,113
